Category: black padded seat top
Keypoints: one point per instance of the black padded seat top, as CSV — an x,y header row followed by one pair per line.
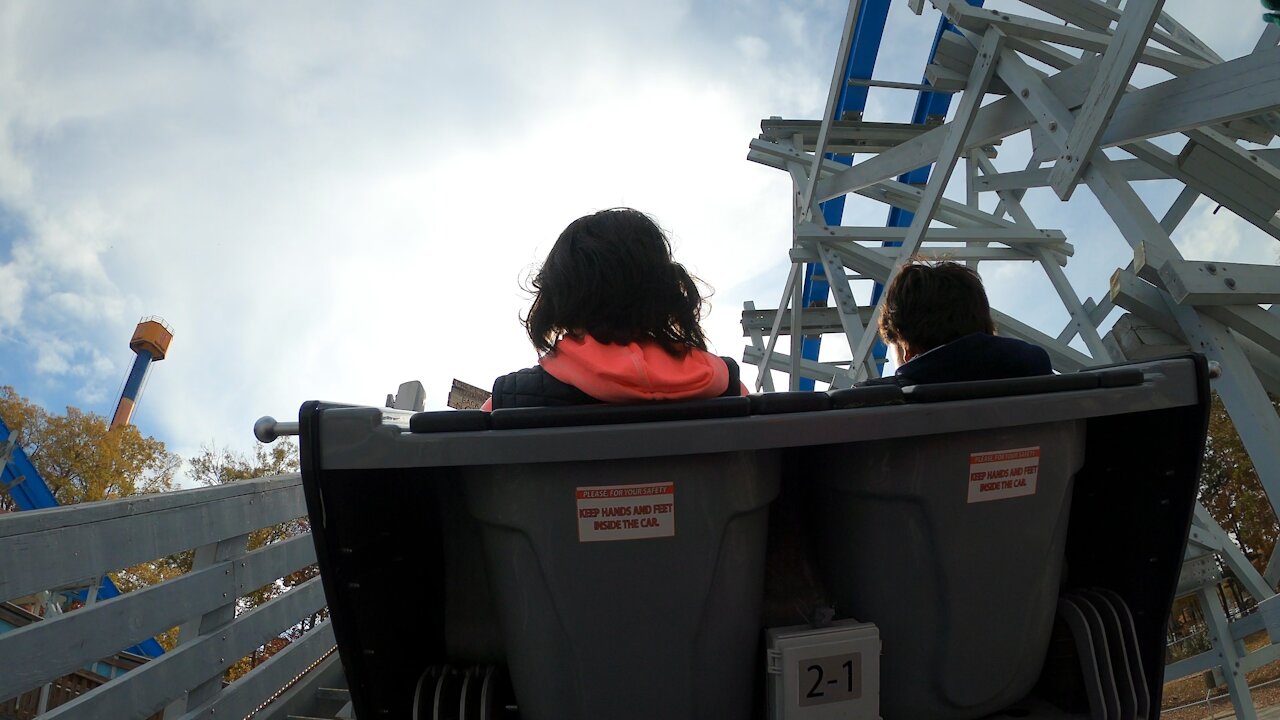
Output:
x,y
767,403
866,396
547,417
979,389
776,403
449,421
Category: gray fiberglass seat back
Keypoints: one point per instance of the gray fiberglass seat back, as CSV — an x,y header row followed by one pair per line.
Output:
x,y
952,544
659,577
611,557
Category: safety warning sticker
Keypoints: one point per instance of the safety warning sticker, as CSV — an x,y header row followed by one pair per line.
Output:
x,y
626,512
1003,474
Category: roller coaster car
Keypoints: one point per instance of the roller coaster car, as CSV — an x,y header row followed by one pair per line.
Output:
x,y
952,551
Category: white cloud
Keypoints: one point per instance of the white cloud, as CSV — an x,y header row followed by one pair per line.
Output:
x,y
794,23
1222,235
752,47
328,200
12,290
53,354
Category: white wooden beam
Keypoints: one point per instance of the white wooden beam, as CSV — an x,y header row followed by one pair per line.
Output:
x,y
1144,300
765,377
1039,177
797,339
174,522
1243,184
1178,210
1216,283
1009,235
1239,565
783,304
965,254
1241,391
833,97
979,19
1098,16
144,690
1243,87
1238,88
995,121
1252,322
1080,321
953,147
846,303
1118,63
1228,656
890,192
811,369
872,265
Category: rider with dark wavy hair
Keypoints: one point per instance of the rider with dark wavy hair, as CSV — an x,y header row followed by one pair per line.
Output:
x,y
938,321
616,320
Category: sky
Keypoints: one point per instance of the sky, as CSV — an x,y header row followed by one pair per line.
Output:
x,y
327,199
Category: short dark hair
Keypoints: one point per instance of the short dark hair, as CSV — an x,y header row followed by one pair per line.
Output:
x,y
926,306
610,275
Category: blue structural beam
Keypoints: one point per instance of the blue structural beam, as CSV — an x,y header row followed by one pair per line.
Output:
x,y
132,389
860,64
928,105
30,492
20,477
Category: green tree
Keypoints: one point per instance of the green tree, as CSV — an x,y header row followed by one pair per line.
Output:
x,y
219,466
81,458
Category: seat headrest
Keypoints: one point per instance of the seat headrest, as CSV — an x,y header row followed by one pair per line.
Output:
x,y
658,411
979,389
449,421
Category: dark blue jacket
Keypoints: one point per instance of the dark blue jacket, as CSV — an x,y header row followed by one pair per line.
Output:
x,y
973,357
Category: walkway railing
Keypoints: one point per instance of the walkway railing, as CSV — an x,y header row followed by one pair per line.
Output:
x,y
61,547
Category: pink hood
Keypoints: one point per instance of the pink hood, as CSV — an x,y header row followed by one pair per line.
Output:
x,y
636,371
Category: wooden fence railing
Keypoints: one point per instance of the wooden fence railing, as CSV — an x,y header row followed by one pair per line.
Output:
x,y
60,547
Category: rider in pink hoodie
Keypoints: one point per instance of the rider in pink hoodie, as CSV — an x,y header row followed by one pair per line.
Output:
x,y
617,321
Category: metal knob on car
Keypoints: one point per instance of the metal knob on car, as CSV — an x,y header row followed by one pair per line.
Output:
x,y
267,429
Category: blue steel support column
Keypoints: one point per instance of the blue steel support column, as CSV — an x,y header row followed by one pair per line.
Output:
x,y
853,98
860,64
19,476
928,104
132,387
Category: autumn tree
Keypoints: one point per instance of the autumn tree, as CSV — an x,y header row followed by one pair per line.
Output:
x,y
219,466
81,458
216,466
1231,491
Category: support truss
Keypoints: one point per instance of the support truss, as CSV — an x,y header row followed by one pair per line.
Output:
x,y
1083,105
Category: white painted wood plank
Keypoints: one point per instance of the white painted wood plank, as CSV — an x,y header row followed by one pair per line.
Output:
x,y
43,651
1118,63
150,687
66,545
1197,282
243,696
1238,88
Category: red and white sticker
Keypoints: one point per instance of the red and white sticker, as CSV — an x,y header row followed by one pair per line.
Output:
x,y
626,512
1003,474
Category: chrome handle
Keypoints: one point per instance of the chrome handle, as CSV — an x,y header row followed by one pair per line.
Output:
x,y
267,429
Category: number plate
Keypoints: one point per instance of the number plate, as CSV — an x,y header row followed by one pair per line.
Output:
x,y
832,679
